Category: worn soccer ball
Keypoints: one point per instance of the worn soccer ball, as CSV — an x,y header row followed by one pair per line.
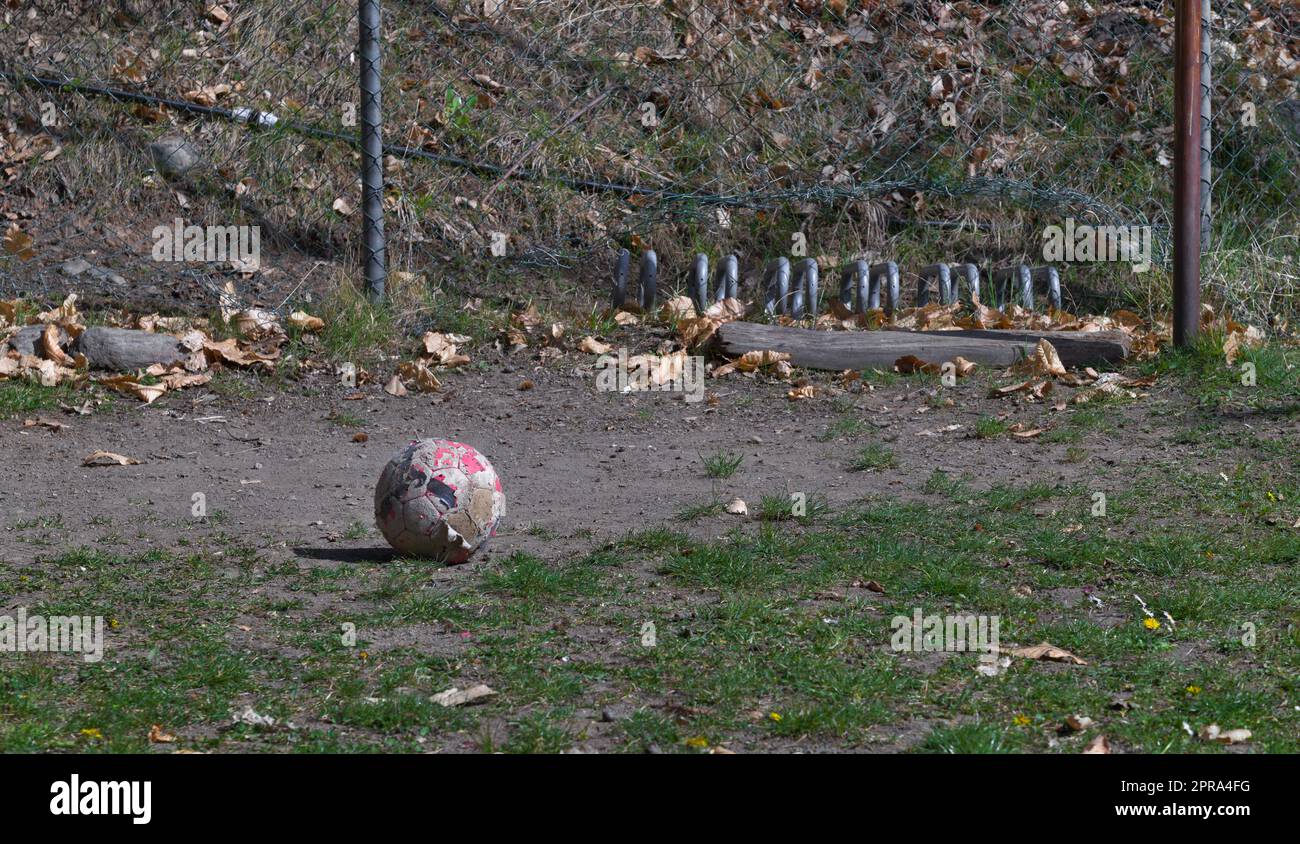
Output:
x,y
439,499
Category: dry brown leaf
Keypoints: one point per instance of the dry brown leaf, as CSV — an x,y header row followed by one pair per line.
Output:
x,y
108,458
1049,653
807,391
255,323
230,351
18,243
40,421
305,321
1045,360
157,735
727,310
50,344
593,346
554,335
911,363
1100,744
208,94
65,314
131,386
443,348
527,318
394,387
179,379
752,362
696,331
421,375
737,507
458,697
678,307
963,367
1214,733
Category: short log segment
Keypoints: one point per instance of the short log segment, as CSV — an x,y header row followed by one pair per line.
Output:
x,y
840,350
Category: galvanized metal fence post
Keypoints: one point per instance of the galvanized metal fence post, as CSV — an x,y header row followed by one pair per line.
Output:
x,y
1187,171
1207,128
373,247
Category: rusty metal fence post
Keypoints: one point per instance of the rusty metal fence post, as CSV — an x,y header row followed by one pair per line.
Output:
x,y
373,246
1187,171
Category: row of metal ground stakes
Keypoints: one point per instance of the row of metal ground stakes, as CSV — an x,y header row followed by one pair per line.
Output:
x,y
793,290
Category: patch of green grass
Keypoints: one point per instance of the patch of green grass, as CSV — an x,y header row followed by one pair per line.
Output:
x,y
1264,378
846,427
699,511
990,427
797,506
968,738
346,420
873,458
722,464
20,397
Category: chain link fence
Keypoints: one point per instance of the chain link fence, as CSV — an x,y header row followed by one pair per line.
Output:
x,y
525,143
1252,245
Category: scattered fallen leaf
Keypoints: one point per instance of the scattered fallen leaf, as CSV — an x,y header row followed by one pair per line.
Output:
x,y
737,507
593,346
132,386
395,387
752,362
18,243
305,321
908,364
1050,653
52,424
963,367
458,697
157,735
1214,733
108,458
1100,744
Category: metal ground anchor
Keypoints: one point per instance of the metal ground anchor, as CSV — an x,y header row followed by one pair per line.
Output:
x,y
860,286
784,298
647,280
949,277
726,281
1019,281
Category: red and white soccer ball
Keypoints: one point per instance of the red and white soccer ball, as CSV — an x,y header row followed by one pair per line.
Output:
x,y
439,499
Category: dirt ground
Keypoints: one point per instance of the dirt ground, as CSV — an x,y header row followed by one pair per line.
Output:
x,y
577,465
288,492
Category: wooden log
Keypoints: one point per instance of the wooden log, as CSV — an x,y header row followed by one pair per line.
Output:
x,y
840,350
1076,348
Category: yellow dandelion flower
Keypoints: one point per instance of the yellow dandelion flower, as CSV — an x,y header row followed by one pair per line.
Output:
x,y
1151,624
775,716
1021,720
92,733
1193,690
697,741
